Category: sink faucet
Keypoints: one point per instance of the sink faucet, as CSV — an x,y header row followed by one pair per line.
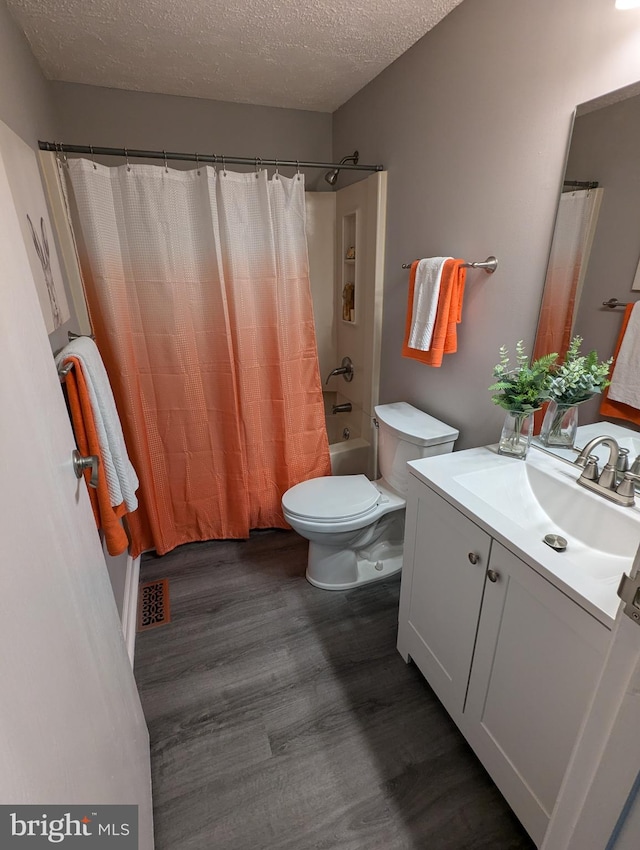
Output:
x,y
606,483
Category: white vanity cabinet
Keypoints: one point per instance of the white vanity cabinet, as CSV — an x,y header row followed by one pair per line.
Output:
x,y
511,657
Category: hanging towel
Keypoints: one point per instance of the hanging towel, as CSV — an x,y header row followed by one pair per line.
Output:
x,y
622,398
107,517
444,339
120,475
424,295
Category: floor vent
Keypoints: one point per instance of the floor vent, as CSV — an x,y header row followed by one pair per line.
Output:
x,y
153,604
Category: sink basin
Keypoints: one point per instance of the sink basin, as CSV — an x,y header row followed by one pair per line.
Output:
x,y
545,502
520,502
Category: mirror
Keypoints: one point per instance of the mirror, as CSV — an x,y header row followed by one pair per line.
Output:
x,y
595,251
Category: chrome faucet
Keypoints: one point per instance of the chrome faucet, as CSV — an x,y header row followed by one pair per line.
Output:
x,y
345,369
607,482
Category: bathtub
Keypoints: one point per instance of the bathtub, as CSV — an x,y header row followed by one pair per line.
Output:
x,y
350,457
350,452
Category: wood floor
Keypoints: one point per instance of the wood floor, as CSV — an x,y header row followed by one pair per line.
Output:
x,y
282,717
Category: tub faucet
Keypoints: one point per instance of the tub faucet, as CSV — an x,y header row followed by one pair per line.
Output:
x,y
606,482
345,369
341,408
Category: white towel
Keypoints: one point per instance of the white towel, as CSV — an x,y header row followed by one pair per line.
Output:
x,y
426,290
625,381
122,481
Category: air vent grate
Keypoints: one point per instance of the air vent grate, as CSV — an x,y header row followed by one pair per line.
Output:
x,y
153,604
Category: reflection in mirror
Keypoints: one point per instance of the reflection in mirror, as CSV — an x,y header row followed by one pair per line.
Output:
x,y
596,245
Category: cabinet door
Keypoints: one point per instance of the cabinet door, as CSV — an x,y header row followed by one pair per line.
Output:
x,y
537,659
446,557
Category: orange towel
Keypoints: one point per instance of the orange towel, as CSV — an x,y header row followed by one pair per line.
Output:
x,y
448,316
107,517
617,409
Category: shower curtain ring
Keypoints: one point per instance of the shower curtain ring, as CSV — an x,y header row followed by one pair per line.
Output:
x,y
258,166
166,167
126,156
65,158
215,162
224,167
93,159
276,176
298,168
197,164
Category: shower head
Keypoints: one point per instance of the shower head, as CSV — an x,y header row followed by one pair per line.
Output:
x,y
332,176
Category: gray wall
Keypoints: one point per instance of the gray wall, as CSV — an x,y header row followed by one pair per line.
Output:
x,y
26,106
25,95
115,118
473,125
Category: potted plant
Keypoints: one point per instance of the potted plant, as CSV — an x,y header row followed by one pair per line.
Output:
x,y
521,391
576,380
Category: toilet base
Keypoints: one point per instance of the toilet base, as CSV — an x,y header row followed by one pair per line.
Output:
x,y
330,568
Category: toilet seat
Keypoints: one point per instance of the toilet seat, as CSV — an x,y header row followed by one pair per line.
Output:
x,y
332,498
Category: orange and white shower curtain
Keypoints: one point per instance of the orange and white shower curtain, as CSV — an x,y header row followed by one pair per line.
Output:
x,y
198,291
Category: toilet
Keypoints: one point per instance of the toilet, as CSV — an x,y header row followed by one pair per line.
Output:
x,y
355,527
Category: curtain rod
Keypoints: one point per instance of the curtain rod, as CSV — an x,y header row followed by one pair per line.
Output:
x,y
220,159
581,184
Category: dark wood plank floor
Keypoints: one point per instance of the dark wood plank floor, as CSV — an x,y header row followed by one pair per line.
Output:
x,y
282,717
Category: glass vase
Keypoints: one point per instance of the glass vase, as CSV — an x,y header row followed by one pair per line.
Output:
x,y
516,434
559,425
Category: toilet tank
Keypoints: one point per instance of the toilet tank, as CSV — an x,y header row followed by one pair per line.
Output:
x,y
406,433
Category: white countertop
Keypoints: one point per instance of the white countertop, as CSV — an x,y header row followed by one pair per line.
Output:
x,y
510,514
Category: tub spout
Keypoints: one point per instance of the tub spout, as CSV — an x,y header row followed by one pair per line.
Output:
x,y
341,408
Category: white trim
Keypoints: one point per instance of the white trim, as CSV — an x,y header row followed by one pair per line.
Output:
x,y
130,605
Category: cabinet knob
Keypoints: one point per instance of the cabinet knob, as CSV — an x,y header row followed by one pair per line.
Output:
x,y
473,557
492,575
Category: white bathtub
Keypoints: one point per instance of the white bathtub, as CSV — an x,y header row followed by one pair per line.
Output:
x,y
349,457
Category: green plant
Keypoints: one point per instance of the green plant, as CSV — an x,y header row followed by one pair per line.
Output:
x,y
524,388
579,377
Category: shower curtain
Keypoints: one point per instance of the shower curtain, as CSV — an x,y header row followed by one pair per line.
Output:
x,y
570,249
198,291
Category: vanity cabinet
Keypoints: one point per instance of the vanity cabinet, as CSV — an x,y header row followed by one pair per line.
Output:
x,y
511,657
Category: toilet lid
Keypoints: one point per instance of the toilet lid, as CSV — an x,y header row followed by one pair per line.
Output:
x,y
332,497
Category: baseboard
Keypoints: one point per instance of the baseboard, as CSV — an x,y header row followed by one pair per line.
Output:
x,y
130,605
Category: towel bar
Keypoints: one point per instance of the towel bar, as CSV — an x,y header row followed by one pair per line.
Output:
x,y
613,302
489,265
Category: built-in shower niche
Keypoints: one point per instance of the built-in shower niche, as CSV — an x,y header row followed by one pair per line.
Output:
x,y
349,263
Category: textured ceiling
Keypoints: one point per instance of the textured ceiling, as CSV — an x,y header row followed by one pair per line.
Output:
x,y
290,53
